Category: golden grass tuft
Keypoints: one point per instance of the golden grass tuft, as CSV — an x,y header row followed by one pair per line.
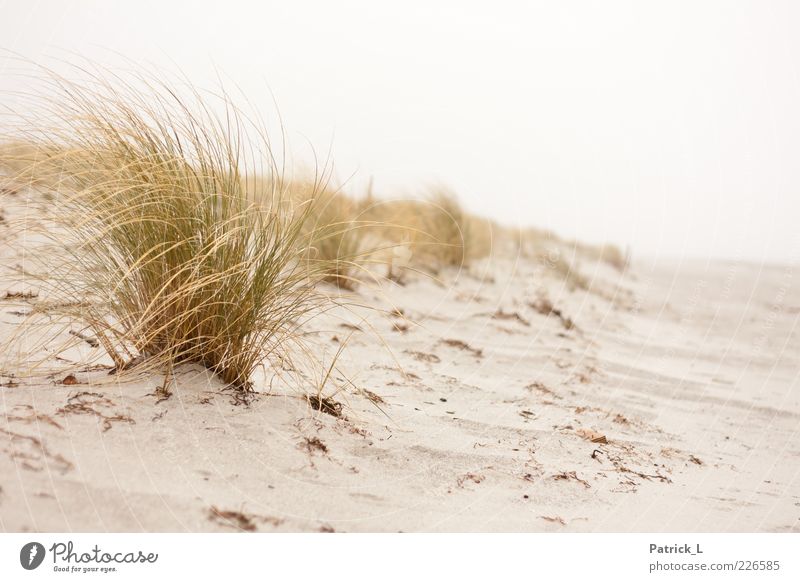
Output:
x,y
171,258
334,234
437,231
606,253
446,222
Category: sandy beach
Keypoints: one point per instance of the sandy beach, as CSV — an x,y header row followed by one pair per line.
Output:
x,y
494,398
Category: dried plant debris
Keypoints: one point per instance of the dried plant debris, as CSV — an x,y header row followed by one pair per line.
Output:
x,y
461,345
234,519
28,414
571,476
592,435
10,382
88,403
325,404
241,395
161,393
31,453
20,313
620,419
21,294
543,306
554,519
470,477
51,307
424,357
646,476
160,415
540,387
513,316
372,397
616,459
314,444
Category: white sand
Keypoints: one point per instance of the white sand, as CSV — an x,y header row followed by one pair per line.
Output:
x,y
690,372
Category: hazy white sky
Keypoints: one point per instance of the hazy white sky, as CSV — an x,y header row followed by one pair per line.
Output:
x,y
670,126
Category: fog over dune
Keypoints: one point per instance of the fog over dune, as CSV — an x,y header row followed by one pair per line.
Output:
x,y
672,128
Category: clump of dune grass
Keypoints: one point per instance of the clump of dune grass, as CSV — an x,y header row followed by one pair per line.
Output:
x,y
607,253
436,230
482,233
334,234
555,261
164,255
537,242
550,252
446,222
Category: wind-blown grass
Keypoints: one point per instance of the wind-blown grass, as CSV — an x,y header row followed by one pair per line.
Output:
x,y
157,232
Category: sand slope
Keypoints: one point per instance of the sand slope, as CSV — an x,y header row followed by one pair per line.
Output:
x,y
472,414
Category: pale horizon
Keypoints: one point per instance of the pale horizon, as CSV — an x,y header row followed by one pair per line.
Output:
x,y
672,130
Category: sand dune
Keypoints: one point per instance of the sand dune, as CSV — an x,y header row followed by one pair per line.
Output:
x,y
476,410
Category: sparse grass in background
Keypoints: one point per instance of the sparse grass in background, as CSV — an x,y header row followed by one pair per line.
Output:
x,y
446,222
561,257
169,256
553,259
606,253
334,234
482,233
437,232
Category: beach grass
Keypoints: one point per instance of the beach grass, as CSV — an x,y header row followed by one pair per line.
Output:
x,y
435,230
179,240
172,259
